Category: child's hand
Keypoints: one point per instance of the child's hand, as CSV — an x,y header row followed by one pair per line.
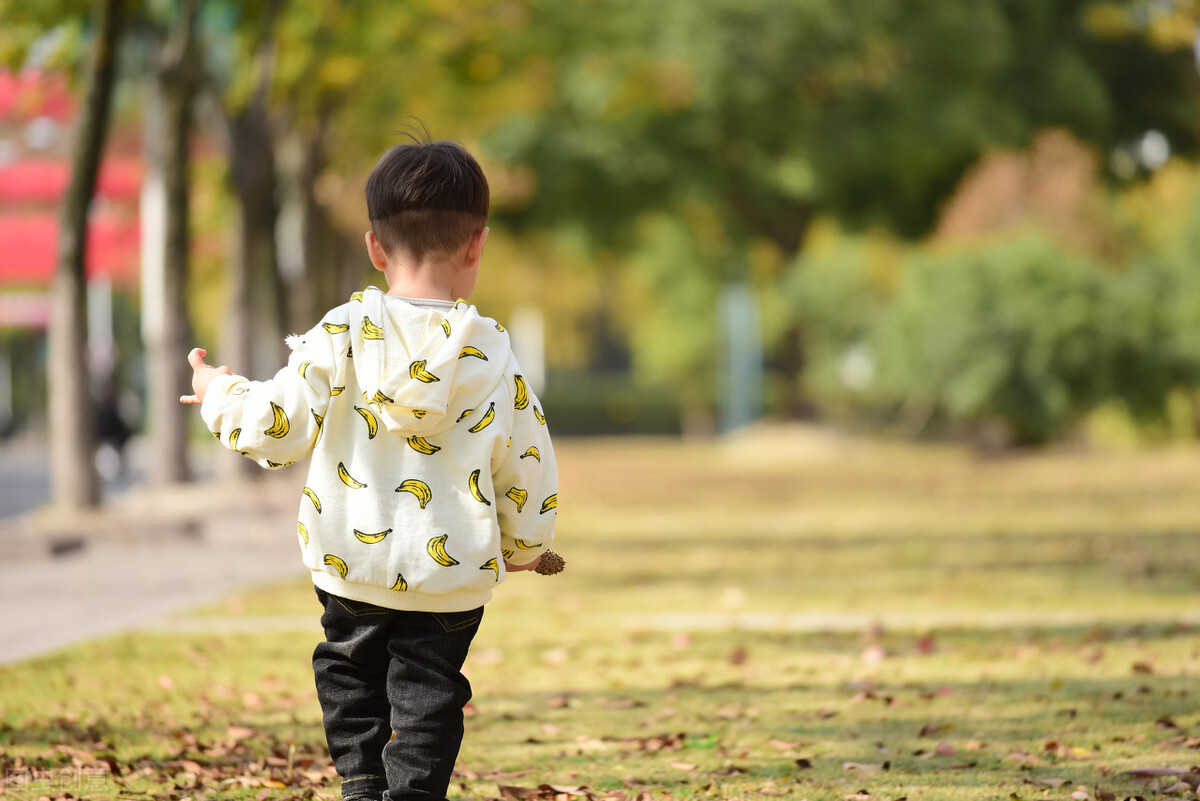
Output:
x,y
202,376
511,568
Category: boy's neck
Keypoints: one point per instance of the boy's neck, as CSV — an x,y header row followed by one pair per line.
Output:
x,y
428,279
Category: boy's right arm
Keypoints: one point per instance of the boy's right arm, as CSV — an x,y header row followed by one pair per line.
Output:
x,y
274,422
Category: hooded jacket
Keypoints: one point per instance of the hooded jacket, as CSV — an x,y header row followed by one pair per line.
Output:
x,y
431,459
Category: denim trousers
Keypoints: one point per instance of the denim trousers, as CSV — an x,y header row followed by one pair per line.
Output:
x,y
392,694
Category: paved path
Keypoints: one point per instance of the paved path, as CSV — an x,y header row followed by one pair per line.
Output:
x,y
147,553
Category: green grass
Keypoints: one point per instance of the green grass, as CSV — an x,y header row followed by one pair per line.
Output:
x,y
786,614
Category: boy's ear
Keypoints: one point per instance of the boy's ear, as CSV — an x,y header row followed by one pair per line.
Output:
x,y
376,252
475,246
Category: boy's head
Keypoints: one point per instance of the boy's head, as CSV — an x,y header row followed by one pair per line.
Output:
x,y
427,198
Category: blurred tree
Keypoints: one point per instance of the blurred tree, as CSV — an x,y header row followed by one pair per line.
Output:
x,y
72,428
1019,333
253,328
764,114
166,330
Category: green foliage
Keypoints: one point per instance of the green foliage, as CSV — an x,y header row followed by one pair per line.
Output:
x,y
1021,332
837,300
53,28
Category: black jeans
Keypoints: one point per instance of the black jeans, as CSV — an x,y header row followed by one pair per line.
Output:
x,y
381,671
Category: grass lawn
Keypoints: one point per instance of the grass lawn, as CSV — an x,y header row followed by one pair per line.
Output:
x,y
789,614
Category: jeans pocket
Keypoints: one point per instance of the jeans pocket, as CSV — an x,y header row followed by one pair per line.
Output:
x,y
359,608
458,621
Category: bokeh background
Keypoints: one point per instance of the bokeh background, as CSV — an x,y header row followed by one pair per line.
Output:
x,y
922,219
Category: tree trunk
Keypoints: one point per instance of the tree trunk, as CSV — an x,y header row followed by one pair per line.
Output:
x,y
255,335
71,408
321,267
167,341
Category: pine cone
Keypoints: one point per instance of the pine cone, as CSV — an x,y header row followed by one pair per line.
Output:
x,y
550,564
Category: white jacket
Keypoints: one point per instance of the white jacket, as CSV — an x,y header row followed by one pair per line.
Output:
x,y
431,460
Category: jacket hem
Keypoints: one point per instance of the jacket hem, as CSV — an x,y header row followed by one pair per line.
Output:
x,y
407,601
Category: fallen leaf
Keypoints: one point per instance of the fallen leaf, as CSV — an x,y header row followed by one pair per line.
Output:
x,y
239,733
1022,758
683,765
866,767
945,749
783,745
1051,783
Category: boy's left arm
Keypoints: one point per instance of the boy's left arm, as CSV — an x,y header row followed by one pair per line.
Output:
x,y
274,422
526,485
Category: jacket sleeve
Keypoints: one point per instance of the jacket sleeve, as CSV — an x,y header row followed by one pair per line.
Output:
x,y
526,483
275,422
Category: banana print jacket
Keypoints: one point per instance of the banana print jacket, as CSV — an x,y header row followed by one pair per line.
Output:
x,y
431,459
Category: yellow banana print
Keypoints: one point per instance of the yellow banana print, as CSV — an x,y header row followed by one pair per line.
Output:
x,y
304,369
337,563
357,296
508,554
371,539
518,496
500,328
419,413
526,546
242,390
549,503
532,451
372,423
281,425
521,401
348,479
422,445
470,350
446,328
277,465
312,496
473,483
540,417
337,390
320,421
370,330
418,371
379,398
418,488
302,530
233,438
492,564
336,329
463,416
437,551
486,420
401,585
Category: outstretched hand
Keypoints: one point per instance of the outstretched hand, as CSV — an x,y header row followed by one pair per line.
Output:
x,y
202,376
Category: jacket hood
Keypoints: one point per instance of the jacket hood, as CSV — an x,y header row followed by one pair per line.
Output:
x,y
421,368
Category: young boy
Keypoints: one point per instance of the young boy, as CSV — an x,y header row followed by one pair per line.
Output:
x,y
432,473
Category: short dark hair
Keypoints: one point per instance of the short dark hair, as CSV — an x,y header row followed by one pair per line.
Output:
x,y
427,197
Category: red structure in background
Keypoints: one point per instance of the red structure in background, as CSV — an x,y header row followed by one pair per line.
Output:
x,y
34,173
